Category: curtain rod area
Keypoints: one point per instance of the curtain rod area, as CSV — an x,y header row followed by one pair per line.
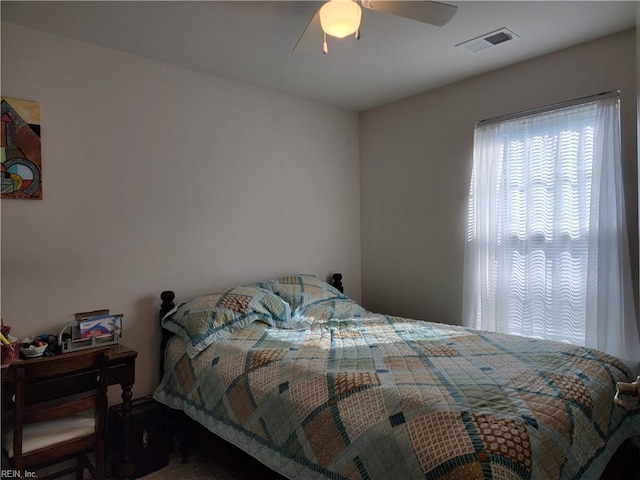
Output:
x,y
533,111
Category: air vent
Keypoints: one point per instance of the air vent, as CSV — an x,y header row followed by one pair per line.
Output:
x,y
499,37
487,40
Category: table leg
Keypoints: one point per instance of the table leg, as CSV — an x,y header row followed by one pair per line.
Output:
x,y
128,466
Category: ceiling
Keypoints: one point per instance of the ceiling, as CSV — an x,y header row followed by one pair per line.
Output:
x,y
253,41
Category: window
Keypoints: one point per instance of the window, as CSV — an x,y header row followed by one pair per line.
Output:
x,y
547,254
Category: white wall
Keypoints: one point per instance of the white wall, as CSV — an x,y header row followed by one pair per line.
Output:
x,y
416,159
155,178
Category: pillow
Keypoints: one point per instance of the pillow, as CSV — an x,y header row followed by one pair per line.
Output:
x,y
326,311
300,291
207,318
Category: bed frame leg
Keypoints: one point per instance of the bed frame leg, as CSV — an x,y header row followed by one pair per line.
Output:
x,y
629,389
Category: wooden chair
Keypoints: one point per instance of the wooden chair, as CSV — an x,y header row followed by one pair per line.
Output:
x,y
45,430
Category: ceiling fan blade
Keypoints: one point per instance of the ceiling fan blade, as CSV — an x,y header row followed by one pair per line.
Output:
x,y
433,13
311,38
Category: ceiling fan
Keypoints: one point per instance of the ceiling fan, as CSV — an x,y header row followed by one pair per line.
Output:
x,y
340,18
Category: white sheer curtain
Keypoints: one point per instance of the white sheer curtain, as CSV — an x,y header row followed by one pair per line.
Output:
x,y
547,253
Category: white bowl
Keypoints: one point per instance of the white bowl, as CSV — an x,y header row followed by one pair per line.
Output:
x,y
33,351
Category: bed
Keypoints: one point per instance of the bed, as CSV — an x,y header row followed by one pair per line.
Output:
x,y
313,385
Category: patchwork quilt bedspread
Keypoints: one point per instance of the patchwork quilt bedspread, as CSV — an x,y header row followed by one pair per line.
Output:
x,y
357,395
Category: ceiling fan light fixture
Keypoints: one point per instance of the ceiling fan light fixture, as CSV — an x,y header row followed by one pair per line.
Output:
x,y
340,18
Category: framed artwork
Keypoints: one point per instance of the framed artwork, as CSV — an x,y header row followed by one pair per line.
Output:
x,y
21,153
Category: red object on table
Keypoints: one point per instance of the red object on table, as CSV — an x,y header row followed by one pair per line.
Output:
x,y
10,353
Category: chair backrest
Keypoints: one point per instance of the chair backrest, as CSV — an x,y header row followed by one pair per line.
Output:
x,y
86,374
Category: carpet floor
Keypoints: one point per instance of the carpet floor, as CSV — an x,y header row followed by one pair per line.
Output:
x,y
198,467
212,458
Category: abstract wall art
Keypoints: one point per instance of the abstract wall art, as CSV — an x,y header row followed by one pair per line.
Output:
x,y
21,152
